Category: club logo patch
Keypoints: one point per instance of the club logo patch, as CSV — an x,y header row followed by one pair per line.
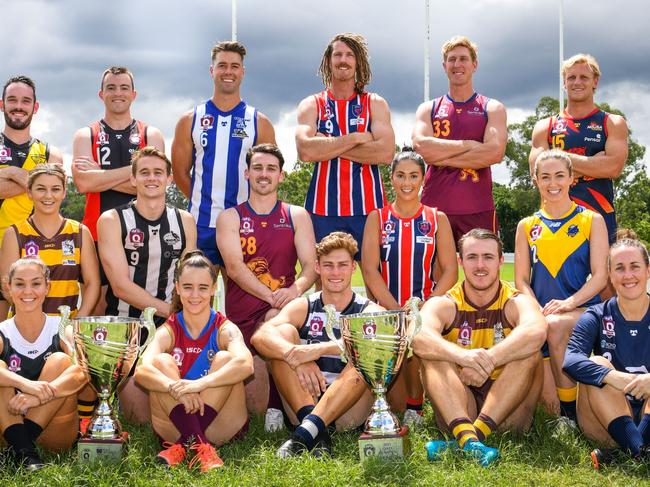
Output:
x,y
178,356
424,227
67,247
5,153
608,327
316,327
572,231
464,335
247,225
535,232
207,122
31,249
136,237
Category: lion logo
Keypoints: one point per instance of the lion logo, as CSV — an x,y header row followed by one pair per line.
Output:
x,y
465,173
260,267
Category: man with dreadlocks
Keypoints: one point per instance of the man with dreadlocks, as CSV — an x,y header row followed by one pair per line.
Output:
x,y
347,132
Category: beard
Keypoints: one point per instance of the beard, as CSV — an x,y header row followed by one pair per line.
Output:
x,y
16,124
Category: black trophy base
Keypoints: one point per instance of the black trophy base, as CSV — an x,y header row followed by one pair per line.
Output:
x,y
92,450
385,446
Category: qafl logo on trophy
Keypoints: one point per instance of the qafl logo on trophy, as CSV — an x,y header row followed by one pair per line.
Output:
x,y
100,334
369,329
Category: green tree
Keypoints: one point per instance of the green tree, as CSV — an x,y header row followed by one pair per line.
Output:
x,y
293,189
175,198
74,204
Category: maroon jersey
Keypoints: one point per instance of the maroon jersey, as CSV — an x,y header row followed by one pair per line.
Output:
x,y
452,190
267,244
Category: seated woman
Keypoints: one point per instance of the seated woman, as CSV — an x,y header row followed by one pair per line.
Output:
x,y
556,250
66,246
404,245
38,381
614,382
194,371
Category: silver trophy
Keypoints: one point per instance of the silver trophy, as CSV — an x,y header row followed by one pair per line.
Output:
x,y
377,344
106,348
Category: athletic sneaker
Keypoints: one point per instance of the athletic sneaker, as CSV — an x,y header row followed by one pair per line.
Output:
x,y
83,425
436,448
562,427
484,454
273,421
604,456
323,446
290,448
412,418
172,455
206,457
26,458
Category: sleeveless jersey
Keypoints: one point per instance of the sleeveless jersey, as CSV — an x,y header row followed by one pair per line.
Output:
x,y
559,253
586,137
28,358
452,190
26,156
112,149
152,249
408,252
221,140
269,251
479,327
340,187
313,331
62,254
194,356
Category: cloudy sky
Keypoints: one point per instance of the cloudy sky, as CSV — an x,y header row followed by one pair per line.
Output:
x,y
66,44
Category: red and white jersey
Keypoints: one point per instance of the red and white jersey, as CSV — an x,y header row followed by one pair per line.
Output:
x,y
341,187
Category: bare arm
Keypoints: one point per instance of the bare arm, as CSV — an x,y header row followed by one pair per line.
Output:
x,y
155,138
182,147
432,148
539,142
189,226
381,148
239,367
370,262
492,149
229,243
56,156
13,181
9,254
146,374
117,269
89,272
610,163
437,313
528,335
522,262
313,146
446,258
265,130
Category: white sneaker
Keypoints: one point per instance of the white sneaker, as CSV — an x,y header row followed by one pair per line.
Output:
x,y
412,418
562,427
273,421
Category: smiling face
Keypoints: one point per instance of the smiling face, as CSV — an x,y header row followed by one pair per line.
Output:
x,y
19,105
628,272
28,288
117,93
343,62
47,192
264,174
459,66
553,179
580,83
227,72
481,263
151,178
195,289
407,179
335,270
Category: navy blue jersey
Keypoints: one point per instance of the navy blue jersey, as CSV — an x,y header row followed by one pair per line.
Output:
x,y
602,330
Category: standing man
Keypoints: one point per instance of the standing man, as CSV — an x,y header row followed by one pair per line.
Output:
x,y
595,140
347,132
479,347
19,153
210,145
139,245
261,240
460,135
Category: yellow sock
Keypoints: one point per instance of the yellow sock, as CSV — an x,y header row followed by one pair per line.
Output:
x,y
463,430
568,394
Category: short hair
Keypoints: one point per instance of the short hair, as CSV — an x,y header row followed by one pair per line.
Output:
x,y
195,259
359,47
553,154
25,261
480,234
116,70
264,149
460,41
149,151
626,237
46,169
335,241
581,58
408,154
228,46
19,79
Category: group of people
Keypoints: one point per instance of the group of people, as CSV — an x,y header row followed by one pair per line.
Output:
x,y
479,358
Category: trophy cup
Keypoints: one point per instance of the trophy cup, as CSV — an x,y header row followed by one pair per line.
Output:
x,y
106,348
377,345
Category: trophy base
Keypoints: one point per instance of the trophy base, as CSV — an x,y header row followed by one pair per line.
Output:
x,y
91,450
385,446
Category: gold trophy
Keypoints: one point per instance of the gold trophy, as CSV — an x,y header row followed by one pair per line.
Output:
x,y
377,345
106,348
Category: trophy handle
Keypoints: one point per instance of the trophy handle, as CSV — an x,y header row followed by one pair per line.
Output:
x,y
63,324
147,322
413,307
330,311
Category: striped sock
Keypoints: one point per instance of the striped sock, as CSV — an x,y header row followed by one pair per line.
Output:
x,y
567,398
484,426
415,404
309,429
463,430
624,432
85,408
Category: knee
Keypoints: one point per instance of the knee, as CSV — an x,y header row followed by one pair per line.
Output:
x,y
221,358
58,361
164,361
559,329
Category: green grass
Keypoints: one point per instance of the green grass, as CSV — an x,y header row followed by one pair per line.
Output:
x,y
534,459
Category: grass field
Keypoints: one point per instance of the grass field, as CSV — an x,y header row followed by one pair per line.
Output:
x,y
534,459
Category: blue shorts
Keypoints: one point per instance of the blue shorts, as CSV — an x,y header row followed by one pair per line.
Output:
x,y
206,240
354,225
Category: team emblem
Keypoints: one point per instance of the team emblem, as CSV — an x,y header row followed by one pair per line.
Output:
x,y
67,247
608,327
171,238
424,227
369,329
178,356
595,126
14,362
535,232
102,138
247,225
264,224
464,335
572,231
498,333
31,249
442,112
100,334
315,327
134,138
206,122
136,237
356,110
328,113
211,354
389,227
5,153
560,126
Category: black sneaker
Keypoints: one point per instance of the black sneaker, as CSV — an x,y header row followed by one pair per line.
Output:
x,y
29,460
323,446
605,456
291,448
